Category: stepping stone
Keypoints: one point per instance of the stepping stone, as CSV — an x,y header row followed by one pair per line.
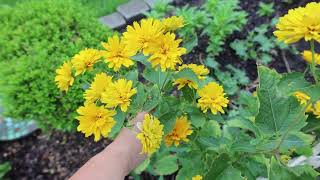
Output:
x,y
11,129
151,3
133,10
113,21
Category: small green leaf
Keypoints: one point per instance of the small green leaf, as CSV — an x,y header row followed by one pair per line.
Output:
x,y
142,59
153,98
210,129
166,165
4,169
119,118
143,166
198,119
188,74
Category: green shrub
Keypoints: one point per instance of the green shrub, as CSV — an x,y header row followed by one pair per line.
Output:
x,y
35,38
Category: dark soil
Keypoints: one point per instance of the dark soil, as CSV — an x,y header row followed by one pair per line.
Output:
x,y
59,155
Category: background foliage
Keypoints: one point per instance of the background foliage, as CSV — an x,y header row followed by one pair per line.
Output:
x,y
35,38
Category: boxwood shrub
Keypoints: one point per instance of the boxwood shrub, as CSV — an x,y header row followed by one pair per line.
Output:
x,y
35,38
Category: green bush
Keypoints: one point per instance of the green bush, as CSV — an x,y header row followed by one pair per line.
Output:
x,y
35,38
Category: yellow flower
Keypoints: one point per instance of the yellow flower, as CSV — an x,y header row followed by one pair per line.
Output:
x,y
138,36
302,97
119,94
307,56
85,60
316,109
116,54
197,177
64,77
285,159
212,97
165,52
151,134
181,130
99,85
200,70
95,120
301,22
173,23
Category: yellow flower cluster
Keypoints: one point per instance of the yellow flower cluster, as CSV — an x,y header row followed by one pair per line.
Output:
x,y
180,132
151,134
212,97
301,22
307,56
156,40
200,70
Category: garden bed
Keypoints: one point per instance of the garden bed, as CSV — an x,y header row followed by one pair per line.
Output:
x,y
58,155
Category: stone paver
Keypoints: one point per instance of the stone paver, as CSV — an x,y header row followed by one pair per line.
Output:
x,y
133,9
113,21
151,3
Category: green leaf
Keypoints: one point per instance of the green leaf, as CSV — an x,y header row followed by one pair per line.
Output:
x,y
188,74
156,76
153,98
138,100
296,140
190,42
277,114
132,75
142,59
210,129
166,165
244,124
119,118
198,119
143,166
230,174
4,169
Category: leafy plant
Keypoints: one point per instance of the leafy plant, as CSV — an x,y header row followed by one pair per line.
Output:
x,y
265,9
245,142
226,19
232,78
259,45
160,9
35,38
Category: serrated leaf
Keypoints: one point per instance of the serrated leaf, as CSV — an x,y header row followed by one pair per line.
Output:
x,y
156,76
296,140
166,165
277,114
244,124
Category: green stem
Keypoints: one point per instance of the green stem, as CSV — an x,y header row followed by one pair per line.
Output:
x,y
313,65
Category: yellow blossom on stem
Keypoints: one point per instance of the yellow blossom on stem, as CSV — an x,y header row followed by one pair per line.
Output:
x,y
151,134
302,97
165,52
197,177
94,120
116,53
173,23
99,85
200,70
180,132
138,36
85,60
119,94
307,56
64,77
301,22
212,97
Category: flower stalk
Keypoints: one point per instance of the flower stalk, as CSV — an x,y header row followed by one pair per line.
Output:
x,y
313,65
